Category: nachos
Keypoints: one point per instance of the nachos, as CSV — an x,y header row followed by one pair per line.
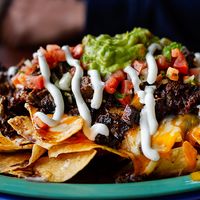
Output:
x,y
133,96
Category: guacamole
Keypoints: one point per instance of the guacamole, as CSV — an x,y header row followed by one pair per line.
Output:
x,y
108,54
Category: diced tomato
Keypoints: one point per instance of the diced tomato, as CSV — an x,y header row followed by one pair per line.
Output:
x,y
113,81
15,80
28,81
126,87
28,69
162,62
172,74
77,51
139,65
119,75
111,85
125,100
125,92
180,62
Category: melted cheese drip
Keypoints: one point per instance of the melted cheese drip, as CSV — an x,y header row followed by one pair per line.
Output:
x,y
53,90
97,128
98,87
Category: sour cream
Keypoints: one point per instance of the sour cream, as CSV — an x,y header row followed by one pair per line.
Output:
x,y
150,109
150,153
84,111
53,90
12,70
197,59
98,87
152,66
82,107
132,73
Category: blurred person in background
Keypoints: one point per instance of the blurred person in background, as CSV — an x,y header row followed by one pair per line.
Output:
x,y
26,25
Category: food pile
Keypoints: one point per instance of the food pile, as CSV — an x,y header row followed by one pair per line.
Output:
x,y
133,99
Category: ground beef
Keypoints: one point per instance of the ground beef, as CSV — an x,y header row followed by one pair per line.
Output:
x,y
131,115
86,88
176,98
41,99
117,128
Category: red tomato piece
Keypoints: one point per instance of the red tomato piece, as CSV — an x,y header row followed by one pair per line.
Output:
x,y
126,87
77,51
139,65
162,62
125,100
113,81
181,64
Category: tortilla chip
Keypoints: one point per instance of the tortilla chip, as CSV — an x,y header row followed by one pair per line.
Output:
x,y
67,126
132,141
24,127
12,161
37,152
8,145
80,143
63,167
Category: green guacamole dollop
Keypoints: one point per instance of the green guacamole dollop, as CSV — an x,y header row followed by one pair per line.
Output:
x,y
108,54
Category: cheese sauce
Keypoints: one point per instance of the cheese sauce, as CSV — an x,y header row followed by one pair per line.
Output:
x,y
53,90
84,111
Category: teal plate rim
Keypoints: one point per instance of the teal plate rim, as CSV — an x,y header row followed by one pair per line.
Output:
x,y
162,187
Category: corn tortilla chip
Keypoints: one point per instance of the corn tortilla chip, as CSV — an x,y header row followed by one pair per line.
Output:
x,y
12,161
80,143
8,145
63,167
37,152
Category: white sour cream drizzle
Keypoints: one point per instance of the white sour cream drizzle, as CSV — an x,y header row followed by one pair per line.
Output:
x,y
54,91
150,109
98,87
152,66
12,71
82,107
97,128
150,153
136,82
148,122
